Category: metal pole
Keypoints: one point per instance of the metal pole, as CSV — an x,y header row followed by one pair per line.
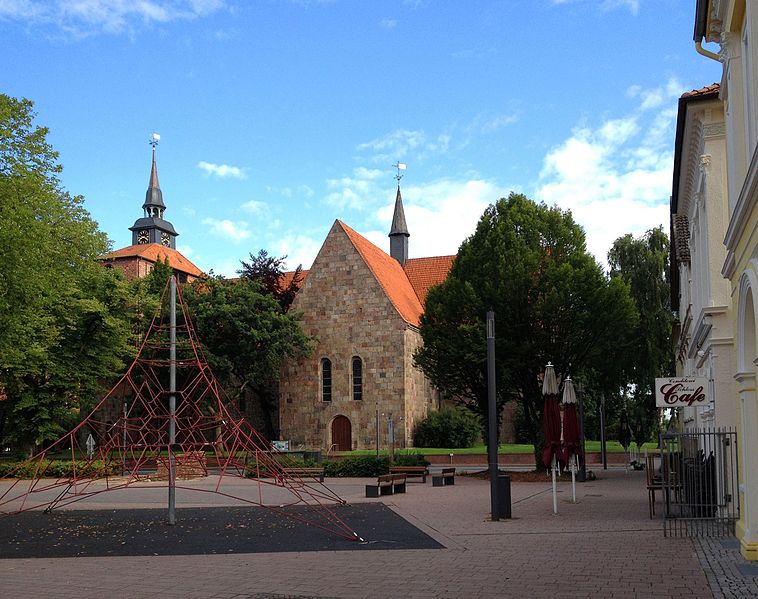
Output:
x,y
123,449
492,416
377,428
172,410
603,454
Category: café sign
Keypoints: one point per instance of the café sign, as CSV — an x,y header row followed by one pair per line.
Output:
x,y
678,392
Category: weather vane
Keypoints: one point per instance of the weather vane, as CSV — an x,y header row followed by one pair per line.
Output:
x,y
400,166
154,139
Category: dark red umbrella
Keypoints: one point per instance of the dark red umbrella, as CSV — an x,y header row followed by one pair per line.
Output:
x,y
551,422
551,418
572,444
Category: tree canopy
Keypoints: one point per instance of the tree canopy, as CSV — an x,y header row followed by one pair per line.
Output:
x,y
643,263
528,262
64,319
248,336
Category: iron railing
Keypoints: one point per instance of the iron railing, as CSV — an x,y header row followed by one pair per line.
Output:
x,y
699,476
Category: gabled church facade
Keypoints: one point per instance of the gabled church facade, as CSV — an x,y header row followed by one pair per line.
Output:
x,y
363,307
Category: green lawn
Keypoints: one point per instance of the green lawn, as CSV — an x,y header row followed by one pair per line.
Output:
x,y
611,446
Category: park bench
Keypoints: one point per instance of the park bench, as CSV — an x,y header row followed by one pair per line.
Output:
x,y
411,471
386,484
443,478
315,473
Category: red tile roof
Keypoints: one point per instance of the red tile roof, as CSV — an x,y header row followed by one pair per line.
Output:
x,y
712,89
287,277
424,273
390,276
154,252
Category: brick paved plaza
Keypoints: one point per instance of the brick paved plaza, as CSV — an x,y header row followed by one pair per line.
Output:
x,y
603,546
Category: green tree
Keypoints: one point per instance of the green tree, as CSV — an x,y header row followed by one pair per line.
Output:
x,y
64,319
248,335
643,263
552,302
268,271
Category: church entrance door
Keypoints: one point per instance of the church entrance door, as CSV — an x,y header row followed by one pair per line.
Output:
x,y
342,435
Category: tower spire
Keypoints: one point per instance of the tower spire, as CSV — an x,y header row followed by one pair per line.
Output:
x,y
399,231
152,228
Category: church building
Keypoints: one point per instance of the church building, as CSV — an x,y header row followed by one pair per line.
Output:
x,y
362,306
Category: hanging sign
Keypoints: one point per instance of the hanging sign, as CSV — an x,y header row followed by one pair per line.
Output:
x,y
677,392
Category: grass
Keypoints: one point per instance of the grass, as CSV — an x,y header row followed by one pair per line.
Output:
x,y
590,446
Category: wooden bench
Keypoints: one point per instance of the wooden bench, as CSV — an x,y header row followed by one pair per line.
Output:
x,y
411,471
386,484
443,478
315,473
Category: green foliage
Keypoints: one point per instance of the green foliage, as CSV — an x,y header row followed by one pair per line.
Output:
x,y
268,272
410,458
449,427
357,466
247,335
58,468
528,263
643,264
64,319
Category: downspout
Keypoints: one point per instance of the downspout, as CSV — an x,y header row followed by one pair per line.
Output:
x,y
707,53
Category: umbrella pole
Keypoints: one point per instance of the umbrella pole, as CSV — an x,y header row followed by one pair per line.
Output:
x,y
573,479
555,490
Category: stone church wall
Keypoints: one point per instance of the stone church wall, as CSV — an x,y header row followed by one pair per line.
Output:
x,y
345,308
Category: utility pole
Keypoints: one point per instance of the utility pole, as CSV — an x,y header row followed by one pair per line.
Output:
x,y
172,410
492,415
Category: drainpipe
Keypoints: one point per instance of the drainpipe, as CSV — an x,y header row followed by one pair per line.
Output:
x,y
707,53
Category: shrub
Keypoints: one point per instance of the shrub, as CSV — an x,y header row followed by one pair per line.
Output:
x,y
450,427
364,465
410,458
58,468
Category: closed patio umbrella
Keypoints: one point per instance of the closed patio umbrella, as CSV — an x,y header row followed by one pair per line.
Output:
x,y
572,445
551,422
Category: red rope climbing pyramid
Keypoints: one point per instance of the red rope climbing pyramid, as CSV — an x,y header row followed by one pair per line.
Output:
x,y
211,440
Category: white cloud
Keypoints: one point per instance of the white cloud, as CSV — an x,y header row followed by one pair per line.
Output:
x,y
221,170
616,178
299,249
87,17
632,5
255,207
234,231
356,191
389,23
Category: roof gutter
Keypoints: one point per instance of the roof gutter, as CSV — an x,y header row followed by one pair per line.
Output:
x,y
701,24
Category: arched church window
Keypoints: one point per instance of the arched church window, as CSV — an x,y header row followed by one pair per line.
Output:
x,y
357,379
326,379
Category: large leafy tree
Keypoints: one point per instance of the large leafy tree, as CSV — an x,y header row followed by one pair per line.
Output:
x,y
268,271
64,320
552,302
248,335
643,263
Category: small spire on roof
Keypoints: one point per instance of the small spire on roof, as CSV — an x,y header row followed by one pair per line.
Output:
x,y
399,231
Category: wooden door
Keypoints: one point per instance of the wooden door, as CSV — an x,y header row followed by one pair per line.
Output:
x,y
342,435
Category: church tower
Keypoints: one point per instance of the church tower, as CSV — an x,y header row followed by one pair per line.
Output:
x,y
399,232
151,228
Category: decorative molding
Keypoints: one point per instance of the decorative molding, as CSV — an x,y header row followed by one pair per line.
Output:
x,y
730,264
714,129
745,203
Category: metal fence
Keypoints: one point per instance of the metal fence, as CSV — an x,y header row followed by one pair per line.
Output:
x,y
699,479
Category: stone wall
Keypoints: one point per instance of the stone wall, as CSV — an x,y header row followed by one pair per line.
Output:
x,y
346,310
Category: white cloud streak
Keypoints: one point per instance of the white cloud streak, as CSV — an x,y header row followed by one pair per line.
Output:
x,y
221,171
80,18
233,231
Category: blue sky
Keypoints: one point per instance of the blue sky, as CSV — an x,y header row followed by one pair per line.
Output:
x,y
278,116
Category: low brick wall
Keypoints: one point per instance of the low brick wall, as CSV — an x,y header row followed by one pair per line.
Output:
x,y
519,459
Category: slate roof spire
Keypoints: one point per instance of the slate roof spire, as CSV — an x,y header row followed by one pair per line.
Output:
x,y
399,232
152,228
154,195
